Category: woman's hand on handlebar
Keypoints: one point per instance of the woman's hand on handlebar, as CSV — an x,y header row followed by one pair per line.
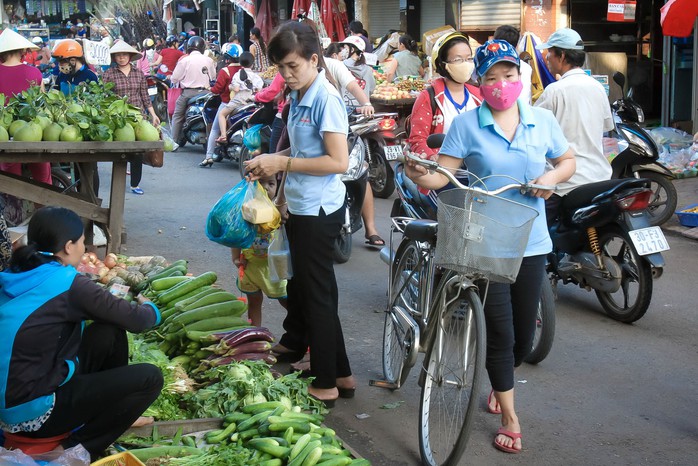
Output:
x,y
366,110
547,179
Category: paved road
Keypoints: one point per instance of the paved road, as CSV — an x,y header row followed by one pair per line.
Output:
x,y
608,394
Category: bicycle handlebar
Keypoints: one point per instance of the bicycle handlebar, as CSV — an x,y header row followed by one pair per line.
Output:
x,y
433,166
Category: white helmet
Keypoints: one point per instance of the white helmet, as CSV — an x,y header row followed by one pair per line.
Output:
x,y
37,40
356,41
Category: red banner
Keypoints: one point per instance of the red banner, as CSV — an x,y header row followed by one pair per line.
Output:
x,y
247,6
621,10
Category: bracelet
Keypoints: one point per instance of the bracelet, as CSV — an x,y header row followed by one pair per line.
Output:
x,y
368,105
288,165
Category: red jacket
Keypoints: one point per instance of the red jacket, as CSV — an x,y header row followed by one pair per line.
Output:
x,y
225,76
269,93
423,123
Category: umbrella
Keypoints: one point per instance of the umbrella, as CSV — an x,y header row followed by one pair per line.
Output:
x,y
541,76
331,18
300,6
678,17
314,15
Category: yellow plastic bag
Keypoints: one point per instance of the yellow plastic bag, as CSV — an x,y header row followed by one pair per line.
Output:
x,y
259,210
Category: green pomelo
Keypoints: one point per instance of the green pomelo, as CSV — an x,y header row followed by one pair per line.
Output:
x,y
52,132
15,125
146,132
70,134
43,121
125,134
4,135
31,132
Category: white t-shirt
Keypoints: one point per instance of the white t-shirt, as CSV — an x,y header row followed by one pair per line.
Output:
x,y
581,107
257,82
339,72
526,74
450,111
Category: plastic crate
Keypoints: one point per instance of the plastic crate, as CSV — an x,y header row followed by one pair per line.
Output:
x,y
688,219
121,459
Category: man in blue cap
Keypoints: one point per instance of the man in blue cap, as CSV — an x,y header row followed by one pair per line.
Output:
x,y
581,106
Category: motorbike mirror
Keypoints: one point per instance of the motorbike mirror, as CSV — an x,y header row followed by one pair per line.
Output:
x,y
435,141
619,78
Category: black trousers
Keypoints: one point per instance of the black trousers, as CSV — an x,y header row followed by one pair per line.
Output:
x,y
105,397
510,314
136,171
313,299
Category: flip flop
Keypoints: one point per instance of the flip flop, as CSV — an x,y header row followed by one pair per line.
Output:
x,y
511,435
489,400
375,240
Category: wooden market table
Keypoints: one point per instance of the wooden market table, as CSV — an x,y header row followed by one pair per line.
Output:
x,y
84,202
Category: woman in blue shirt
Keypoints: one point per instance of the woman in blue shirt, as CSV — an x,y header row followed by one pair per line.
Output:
x,y
314,196
507,137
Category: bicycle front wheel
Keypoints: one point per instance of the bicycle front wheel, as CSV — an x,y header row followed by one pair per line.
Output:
x,y
454,368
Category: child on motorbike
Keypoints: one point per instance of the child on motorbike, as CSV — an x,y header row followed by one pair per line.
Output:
x,y
254,279
242,88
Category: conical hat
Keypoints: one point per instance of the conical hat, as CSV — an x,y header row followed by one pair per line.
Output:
x,y
122,47
10,40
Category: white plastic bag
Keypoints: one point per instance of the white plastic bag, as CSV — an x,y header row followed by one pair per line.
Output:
x,y
75,456
279,257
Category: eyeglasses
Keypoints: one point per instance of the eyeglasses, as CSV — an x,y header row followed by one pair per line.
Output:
x,y
459,60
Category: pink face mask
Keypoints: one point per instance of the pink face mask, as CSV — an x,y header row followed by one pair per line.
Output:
x,y
502,95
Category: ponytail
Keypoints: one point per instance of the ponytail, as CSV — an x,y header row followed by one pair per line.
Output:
x,y
409,43
29,257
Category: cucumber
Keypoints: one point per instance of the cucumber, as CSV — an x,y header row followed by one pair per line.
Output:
x,y
166,283
145,454
333,460
181,305
269,446
214,323
311,448
207,278
249,433
282,425
256,408
236,417
272,462
211,298
360,462
179,267
223,435
313,457
254,420
222,309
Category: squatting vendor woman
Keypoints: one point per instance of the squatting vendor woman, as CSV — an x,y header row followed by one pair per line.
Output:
x,y
506,136
58,375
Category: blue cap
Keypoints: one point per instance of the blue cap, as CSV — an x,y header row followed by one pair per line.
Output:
x,y
564,38
494,51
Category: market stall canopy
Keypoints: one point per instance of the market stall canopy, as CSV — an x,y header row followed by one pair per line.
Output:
x,y
678,17
10,40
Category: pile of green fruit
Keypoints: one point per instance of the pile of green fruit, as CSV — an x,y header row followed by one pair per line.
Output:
x,y
92,113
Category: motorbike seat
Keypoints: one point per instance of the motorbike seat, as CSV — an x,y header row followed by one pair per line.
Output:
x,y
422,230
594,192
192,100
419,201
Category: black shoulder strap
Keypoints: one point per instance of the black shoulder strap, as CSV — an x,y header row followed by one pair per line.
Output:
x,y
432,99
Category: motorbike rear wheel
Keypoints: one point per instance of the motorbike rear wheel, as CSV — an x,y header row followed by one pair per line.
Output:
x,y
380,174
341,252
664,198
160,107
632,299
545,325
245,156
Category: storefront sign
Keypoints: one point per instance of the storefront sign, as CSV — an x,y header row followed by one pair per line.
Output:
x,y
96,53
621,10
248,6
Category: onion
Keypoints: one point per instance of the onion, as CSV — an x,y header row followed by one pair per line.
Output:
x,y
102,271
85,259
110,261
93,257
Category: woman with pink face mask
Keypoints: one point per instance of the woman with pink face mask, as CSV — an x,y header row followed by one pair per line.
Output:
x,y
506,136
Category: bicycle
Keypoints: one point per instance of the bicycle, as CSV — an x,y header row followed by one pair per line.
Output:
x,y
434,306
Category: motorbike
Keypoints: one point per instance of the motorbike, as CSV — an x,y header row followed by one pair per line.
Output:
x,y
383,146
640,158
354,179
234,147
157,90
603,240
194,129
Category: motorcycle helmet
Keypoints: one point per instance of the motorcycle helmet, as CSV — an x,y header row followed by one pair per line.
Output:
x,y
68,48
437,56
196,43
170,40
38,41
148,43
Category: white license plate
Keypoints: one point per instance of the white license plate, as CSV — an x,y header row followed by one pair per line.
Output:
x,y
152,91
649,240
392,152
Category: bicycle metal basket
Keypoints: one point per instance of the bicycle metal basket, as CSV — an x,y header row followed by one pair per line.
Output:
x,y
482,234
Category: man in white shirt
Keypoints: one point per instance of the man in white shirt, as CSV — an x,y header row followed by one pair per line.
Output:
x,y
193,73
581,106
512,35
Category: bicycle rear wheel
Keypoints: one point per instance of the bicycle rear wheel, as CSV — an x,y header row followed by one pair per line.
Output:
x,y
454,368
398,335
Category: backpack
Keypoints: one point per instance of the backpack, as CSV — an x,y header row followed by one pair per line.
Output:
x,y
359,80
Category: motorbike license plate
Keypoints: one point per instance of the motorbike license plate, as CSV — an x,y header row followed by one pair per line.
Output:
x,y
152,91
649,240
392,152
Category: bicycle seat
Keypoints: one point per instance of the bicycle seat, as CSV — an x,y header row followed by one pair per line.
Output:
x,y
422,230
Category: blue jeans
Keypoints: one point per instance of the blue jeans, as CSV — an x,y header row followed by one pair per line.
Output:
x,y
276,129
215,133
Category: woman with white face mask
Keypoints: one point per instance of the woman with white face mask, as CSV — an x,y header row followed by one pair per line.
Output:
x,y
449,96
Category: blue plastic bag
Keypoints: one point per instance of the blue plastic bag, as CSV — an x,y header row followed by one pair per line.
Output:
x,y
225,224
252,139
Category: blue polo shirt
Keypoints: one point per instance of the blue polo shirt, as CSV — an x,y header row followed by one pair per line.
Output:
x,y
321,110
475,137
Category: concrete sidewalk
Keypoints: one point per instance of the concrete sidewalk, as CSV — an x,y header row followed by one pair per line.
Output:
x,y
687,189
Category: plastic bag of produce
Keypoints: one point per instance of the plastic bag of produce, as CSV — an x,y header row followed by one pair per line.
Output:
x,y
279,257
252,138
75,456
258,209
225,224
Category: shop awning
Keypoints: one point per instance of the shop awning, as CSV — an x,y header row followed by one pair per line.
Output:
x,y
678,17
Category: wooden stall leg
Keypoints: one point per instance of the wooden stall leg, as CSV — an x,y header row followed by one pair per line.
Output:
x,y
116,205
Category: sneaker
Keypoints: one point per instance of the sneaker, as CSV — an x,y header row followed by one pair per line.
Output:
x,y
136,190
175,146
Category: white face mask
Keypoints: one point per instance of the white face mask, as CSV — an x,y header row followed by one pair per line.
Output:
x,y
460,72
150,54
344,54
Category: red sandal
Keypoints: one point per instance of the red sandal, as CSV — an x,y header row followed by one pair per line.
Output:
x,y
511,435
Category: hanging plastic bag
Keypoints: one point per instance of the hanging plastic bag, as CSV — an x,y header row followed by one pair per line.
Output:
x,y
166,135
258,209
252,139
173,94
75,456
279,257
225,224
